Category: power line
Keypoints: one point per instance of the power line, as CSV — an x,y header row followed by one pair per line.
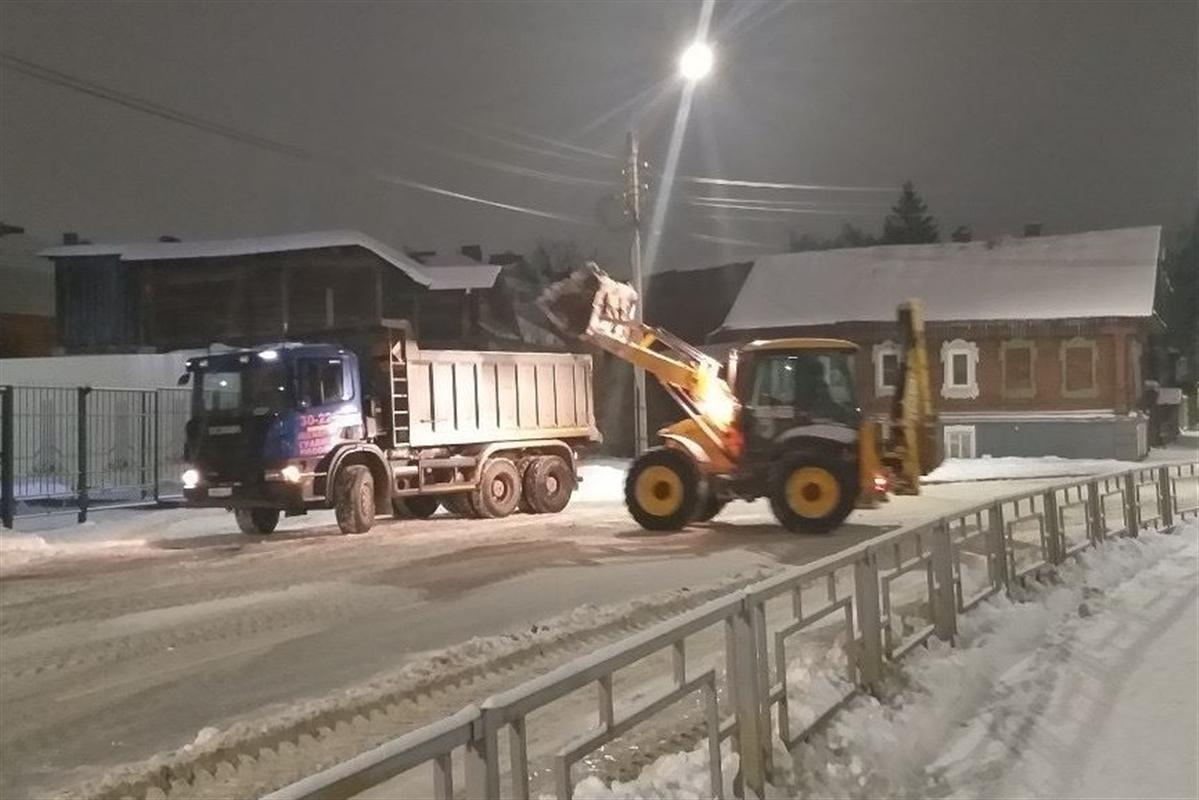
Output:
x,y
64,80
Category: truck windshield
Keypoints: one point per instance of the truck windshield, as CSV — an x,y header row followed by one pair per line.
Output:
x,y
255,389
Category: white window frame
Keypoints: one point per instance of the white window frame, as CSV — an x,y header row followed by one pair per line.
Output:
x,y
887,348
968,390
967,431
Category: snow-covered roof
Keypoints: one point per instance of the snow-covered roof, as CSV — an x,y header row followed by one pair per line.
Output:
x,y
216,248
1096,274
475,276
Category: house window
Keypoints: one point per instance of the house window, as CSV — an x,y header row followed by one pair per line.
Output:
x,y
959,367
959,441
886,368
1135,368
1018,358
1079,360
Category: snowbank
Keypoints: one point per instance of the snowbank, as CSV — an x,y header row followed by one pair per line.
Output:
x,y
602,480
1036,701
953,470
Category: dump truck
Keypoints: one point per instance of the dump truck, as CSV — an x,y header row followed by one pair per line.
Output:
x,y
779,420
368,421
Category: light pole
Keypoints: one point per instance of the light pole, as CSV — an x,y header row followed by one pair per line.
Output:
x,y
695,63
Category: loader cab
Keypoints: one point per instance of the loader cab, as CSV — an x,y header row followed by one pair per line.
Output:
x,y
794,388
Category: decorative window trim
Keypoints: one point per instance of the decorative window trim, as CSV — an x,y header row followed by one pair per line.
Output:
x,y
961,430
887,348
950,390
1080,343
1018,344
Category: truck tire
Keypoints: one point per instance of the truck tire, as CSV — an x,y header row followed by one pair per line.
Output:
x,y
415,507
459,505
256,521
498,492
548,484
354,499
662,490
813,492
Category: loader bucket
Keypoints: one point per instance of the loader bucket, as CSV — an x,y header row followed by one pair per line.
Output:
x,y
590,302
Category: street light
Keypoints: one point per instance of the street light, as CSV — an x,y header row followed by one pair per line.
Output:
x,y
694,65
696,61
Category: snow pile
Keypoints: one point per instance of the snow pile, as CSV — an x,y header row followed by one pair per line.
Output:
x,y
602,480
673,775
22,549
1022,707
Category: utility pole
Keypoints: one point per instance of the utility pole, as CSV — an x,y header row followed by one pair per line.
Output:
x,y
633,205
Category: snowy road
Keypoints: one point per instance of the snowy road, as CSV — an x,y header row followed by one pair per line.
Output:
x,y
117,651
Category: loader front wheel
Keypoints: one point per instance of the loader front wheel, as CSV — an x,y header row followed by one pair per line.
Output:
x,y
354,499
662,490
812,492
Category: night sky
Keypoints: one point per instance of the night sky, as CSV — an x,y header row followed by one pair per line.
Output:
x,y
311,115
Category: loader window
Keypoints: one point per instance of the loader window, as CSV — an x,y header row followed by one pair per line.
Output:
x,y
813,384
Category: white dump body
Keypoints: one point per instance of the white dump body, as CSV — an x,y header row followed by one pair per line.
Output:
x,y
466,396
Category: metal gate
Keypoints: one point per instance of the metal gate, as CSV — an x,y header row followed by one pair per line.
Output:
x,y
73,449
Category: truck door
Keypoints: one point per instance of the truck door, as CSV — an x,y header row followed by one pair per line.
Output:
x,y
329,413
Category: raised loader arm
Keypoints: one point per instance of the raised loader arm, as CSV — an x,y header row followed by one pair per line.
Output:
x,y
912,446
599,310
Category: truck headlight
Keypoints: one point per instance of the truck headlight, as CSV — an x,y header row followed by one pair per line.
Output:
x,y
291,473
190,478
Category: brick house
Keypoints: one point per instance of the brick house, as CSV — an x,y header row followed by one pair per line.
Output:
x,y
1037,346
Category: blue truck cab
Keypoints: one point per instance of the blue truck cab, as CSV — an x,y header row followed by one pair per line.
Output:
x,y
264,423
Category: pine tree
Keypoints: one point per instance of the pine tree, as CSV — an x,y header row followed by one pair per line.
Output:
x,y
909,221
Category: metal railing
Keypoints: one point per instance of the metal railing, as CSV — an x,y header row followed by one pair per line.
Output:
x,y
875,602
73,449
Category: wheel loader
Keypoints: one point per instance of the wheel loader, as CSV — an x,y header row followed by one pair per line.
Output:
x,y
780,420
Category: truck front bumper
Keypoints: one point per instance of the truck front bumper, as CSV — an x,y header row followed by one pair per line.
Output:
x,y
263,493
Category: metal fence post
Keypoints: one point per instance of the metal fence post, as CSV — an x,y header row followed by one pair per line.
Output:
x,y
8,493
482,763
746,703
143,441
866,601
1095,524
81,456
1053,528
944,600
997,546
156,422
1132,505
1165,504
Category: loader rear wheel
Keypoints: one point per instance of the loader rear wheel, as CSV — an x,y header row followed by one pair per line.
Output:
x,y
417,506
498,492
813,492
257,521
662,490
548,484
354,499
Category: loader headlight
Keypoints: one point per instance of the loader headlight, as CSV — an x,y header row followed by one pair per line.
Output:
x,y
190,478
291,473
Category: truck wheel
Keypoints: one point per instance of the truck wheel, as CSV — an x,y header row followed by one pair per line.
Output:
x,y
354,499
459,505
662,490
417,506
548,484
257,521
813,492
498,491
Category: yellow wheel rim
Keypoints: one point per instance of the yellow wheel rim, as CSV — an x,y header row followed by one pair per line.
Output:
x,y
812,492
659,490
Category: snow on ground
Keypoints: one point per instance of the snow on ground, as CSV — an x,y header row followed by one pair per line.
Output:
x,y
1085,687
601,480
1016,467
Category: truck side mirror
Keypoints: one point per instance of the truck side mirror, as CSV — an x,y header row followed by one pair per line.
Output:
x,y
184,379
